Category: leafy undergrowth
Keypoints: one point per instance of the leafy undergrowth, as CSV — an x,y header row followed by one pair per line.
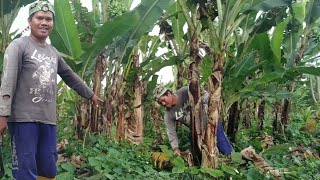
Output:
x,y
100,158
103,159
295,154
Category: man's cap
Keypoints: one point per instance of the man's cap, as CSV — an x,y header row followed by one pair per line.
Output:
x,y
41,6
159,91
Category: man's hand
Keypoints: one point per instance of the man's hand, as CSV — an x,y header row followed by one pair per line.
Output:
x,y
3,124
95,100
176,152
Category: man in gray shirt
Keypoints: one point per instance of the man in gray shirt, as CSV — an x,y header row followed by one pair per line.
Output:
x,y
178,109
28,96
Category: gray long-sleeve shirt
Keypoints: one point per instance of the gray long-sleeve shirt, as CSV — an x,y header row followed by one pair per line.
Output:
x,y
30,78
181,112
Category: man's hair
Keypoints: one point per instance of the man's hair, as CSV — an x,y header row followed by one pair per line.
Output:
x,y
40,6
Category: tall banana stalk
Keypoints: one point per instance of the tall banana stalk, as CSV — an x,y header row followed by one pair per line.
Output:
x,y
228,20
134,131
194,84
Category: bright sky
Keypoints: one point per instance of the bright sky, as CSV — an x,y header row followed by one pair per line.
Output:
x,y
21,23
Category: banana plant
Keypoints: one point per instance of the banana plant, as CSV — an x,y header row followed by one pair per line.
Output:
x,y
281,66
296,42
222,20
300,41
8,12
124,30
171,26
65,35
149,12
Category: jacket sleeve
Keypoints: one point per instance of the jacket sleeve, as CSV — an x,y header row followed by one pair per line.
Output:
x,y
73,80
171,131
9,78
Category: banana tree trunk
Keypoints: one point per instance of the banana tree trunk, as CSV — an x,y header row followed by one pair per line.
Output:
x,y
195,102
107,116
210,158
233,121
247,117
98,77
79,126
79,119
315,100
261,111
276,112
134,132
96,10
205,149
180,73
121,116
83,117
156,119
256,110
285,112
286,108
105,12
109,105
318,88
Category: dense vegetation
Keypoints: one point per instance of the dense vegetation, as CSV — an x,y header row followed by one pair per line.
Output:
x,y
295,154
258,60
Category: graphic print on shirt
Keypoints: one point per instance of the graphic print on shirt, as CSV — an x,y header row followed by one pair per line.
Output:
x,y
44,78
183,112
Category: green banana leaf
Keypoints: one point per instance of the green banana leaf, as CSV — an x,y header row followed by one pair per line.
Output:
x,y
313,11
277,38
282,76
6,6
126,30
237,74
158,63
265,79
106,34
261,43
149,13
65,36
178,21
266,5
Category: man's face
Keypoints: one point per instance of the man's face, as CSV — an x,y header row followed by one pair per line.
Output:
x,y
166,100
41,24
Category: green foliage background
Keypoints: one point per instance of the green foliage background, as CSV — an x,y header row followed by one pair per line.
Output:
x,y
105,158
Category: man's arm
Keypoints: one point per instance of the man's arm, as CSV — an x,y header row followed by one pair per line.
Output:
x,y
8,82
171,131
9,78
73,80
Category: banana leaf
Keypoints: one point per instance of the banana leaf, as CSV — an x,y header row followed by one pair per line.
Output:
x,y
6,6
